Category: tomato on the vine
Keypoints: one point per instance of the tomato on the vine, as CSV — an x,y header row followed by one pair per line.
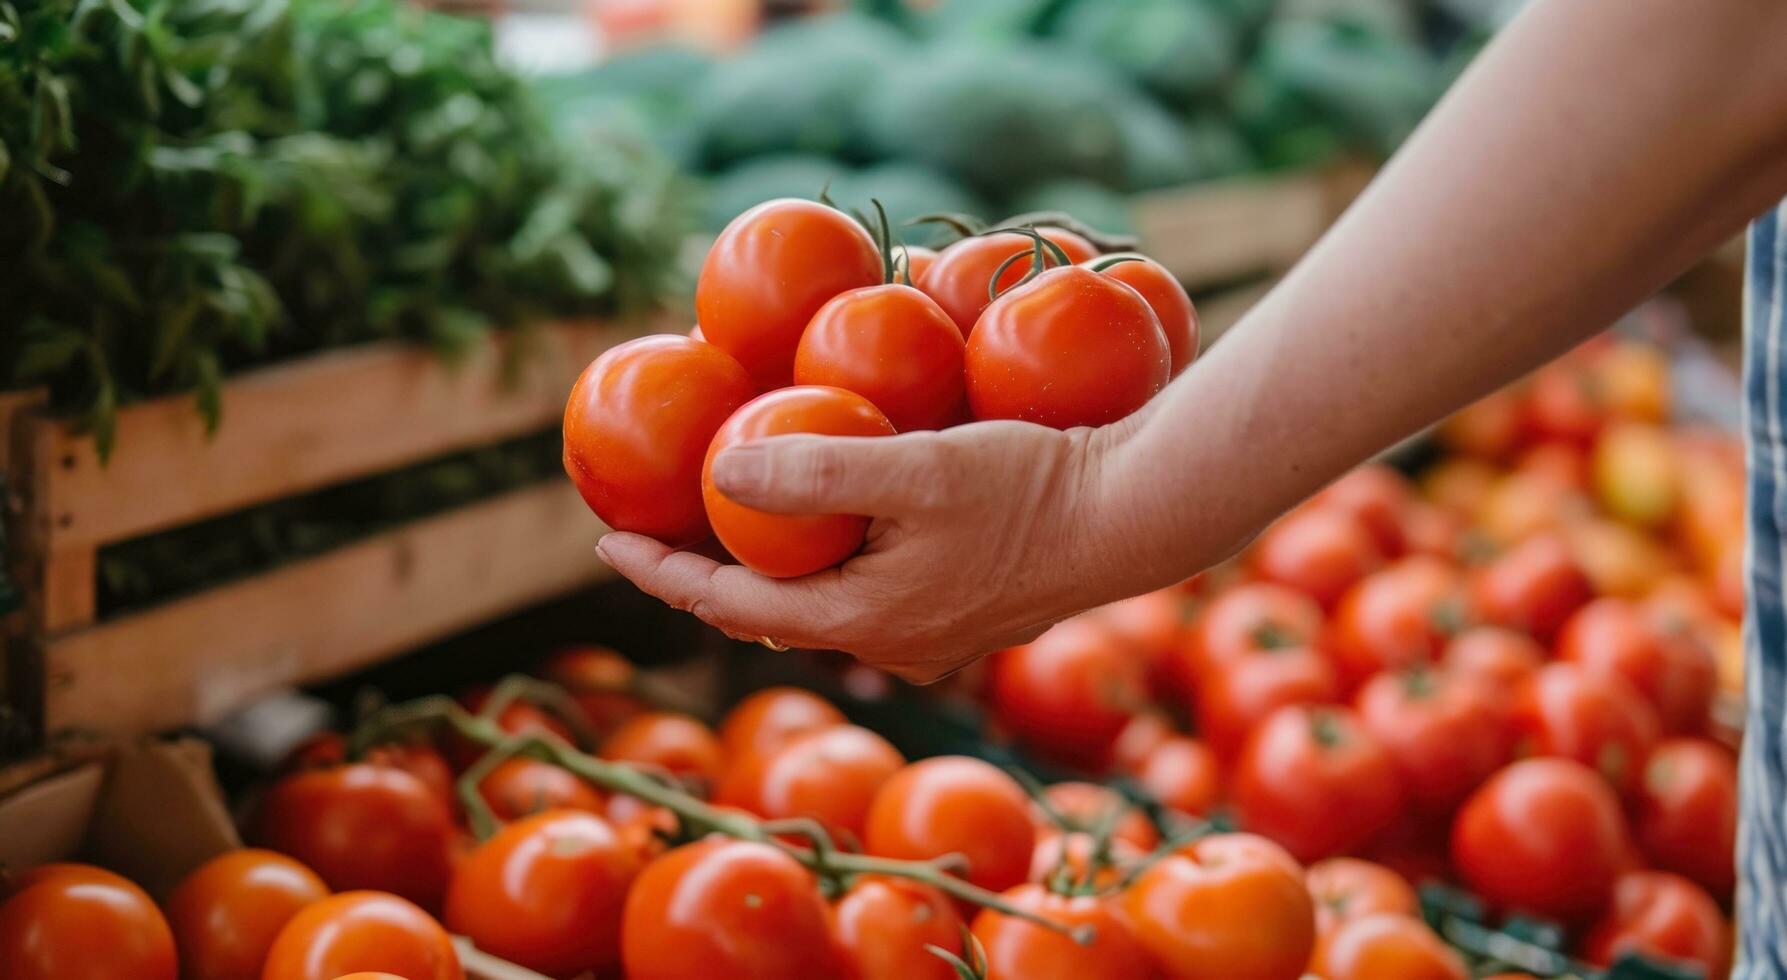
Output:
x,y
913,261
226,913
1444,733
767,718
1166,296
955,805
1397,617
1616,636
959,276
1076,855
78,922
1226,907
520,787
1068,693
362,931
420,760
1087,806
1318,551
1662,916
518,717
599,680
830,775
1597,720
1687,811
884,924
1314,780
1182,773
674,743
1382,946
1533,587
892,345
1016,947
1346,888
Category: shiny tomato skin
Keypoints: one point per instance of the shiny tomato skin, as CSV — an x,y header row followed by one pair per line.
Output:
x,y
955,804
1018,948
789,545
1664,917
1244,619
958,277
1068,693
1686,814
1320,552
1598,720
1545,836
727,908
1228,907
885,923
769,271
1166,296
764,720
1145,732
600,681
1397,617
1617,636
1088,805
226,913
1346,888
545,893
362,931
361,827
1069,348
521,787
1496,659
1183,774
830,775
1234,698
84,923
1383,946
894,346
1445,734
637,425
1377,497
1153,624
1314,780
1533,587
675,743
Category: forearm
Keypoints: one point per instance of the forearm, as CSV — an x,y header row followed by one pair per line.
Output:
x,y
1595,151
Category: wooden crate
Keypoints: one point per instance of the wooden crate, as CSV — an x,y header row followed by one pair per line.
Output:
x,y
287,430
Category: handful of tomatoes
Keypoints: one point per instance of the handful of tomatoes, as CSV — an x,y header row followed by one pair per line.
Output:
x,y
809,323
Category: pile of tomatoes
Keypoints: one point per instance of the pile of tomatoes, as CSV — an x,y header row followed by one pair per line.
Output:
x,y
808,323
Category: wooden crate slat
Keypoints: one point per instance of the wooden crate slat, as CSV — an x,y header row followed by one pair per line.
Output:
x,y
295,427
194,661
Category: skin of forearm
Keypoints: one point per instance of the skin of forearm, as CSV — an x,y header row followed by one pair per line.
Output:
x,y
1595,150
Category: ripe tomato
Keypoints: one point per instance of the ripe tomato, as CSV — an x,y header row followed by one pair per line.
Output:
x,y
1428,529
1488,428
1247,618
1544,836
769,271
545,893
1166,296
636,426
914,261
1616,636
369,931
1494,658
1445,734
1687,811
727,908
1183,775
766,719
1144,733
1387,945
789,545
1563,401
1072,853
884,925
1228,907
1637,473
361,826
954,804
1347,888
674,743
1071,347
1398,617
1153,624
1662,916
1086,806
316,752
830,775
599,680
83,923
1459,485
1527,503
892,345
1315,781
521,787
1619,559
1560,461
1375,496
1019,948
1633,381
1317,551
1533,587
1068,693
1599,721
1234,697
958,278
420,760
518,717
226,913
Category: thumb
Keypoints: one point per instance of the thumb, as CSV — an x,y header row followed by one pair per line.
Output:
x,y
878,476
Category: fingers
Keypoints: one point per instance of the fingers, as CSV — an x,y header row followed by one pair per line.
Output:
x,y
730,597
879,477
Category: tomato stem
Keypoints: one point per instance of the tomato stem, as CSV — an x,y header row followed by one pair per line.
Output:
x,y
549,696
964,225
1113,260
1104,241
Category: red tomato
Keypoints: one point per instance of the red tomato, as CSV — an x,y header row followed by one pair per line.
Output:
x,y
600,680
545,893
82,923
367,975
1559,461
1616,636
1661,916
830,775
636,427
892,345
520,787
1544,836
1398,617
727,908
1347,888
1245,619
1488,428
958,278
1382,946
1314,780
1375,496
518,717
1071,347
1228,907
419,760
769,271
319,751
1599,721
1068,693
1072,854
226,913
671,742
1687,811
1319,552
764,720
1165,296
955,805
361,826
1183,775
1153,624
790,545
1088,805
1428,529
1533,587
362,931
884,925
915,261
1138,740
1234,697
1494,658
1563,402
1445,734
1019,948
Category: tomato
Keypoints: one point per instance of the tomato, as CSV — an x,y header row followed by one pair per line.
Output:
x,y
319,751
1428,529
545,893
1495,659
1661,916
1315,781
1245,619
955,805
1533,587
1459,485
1166,296
1233,698
1228,907
1615,636
420,760
226,913
1382,946
1523,504
830,775
1561,462
1070,348
1544,836
1145,732
599,680
1153,624
958,278
769,271
1398,617
772,716
789,545
1563,401
520,787
83,923
1182,774
1687,810
1071,854
1347,888
892,345
367,975
1068,693
518,717
636,426
1488,428
361,826
1597,720
1377,497
670,742
1086,806
727,908
1619,560
1317,551
1633,381
913,261
884,925
362,930
1637,474
1019,948
1445,734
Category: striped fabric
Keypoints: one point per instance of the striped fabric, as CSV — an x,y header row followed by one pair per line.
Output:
x,y
1762,829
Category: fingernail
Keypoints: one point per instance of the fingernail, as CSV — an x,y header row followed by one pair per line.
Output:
x,y
741,470
602,550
